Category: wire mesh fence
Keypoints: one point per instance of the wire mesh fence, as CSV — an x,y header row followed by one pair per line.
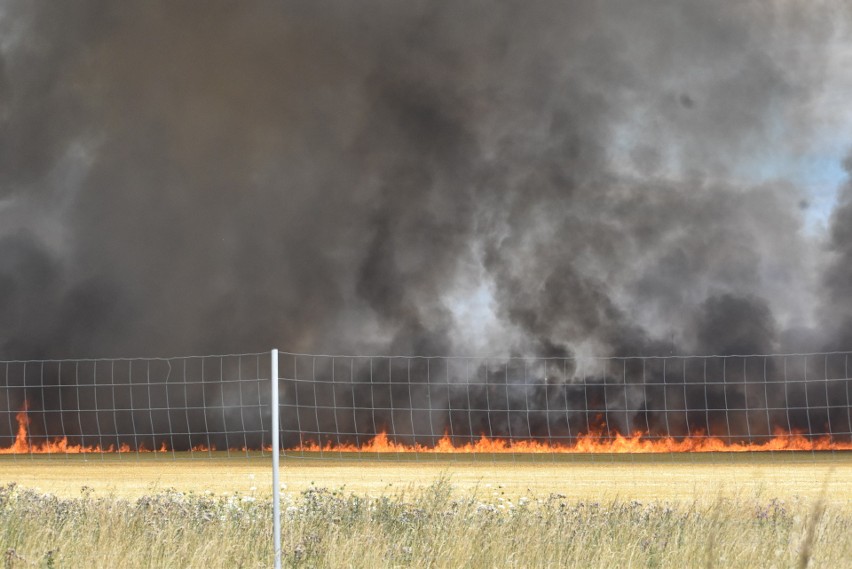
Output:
x,y
325,407
210,406
394,406
351,406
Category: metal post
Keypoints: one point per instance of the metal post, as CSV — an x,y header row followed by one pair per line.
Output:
x,y
276,485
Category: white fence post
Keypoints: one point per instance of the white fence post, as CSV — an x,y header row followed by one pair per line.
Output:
x,y
276,485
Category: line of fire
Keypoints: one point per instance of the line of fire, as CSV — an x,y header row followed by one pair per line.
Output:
x,y
431,405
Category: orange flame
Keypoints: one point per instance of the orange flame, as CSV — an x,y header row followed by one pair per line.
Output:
x,y
60,445
595,443
23,445
592,443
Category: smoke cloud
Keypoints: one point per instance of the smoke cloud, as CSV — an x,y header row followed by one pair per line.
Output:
x,y
424,178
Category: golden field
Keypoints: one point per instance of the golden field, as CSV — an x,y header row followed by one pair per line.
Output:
x,y
580,477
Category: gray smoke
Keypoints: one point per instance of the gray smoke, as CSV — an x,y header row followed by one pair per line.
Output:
x,y
838,276
426,178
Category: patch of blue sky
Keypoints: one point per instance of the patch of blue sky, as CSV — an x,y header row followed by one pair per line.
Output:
x,y
817,171
820,175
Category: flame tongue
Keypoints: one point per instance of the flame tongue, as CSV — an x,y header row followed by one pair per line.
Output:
x,y
21,444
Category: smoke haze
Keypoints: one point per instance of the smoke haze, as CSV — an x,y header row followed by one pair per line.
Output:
x,y
424,178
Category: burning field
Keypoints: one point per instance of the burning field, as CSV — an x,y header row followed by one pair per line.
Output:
x,y
150,455
593,443
592,191
636,214
669,502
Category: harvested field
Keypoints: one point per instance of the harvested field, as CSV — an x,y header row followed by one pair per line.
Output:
x,y
580,477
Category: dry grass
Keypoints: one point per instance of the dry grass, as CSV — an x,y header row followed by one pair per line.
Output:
x,y
722,511
434,526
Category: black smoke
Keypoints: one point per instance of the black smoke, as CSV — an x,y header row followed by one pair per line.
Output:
x,y
427,178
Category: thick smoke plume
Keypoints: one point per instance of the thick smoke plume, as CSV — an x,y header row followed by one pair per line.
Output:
x,y
425,178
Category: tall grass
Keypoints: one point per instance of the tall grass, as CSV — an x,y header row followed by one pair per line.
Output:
x,y
432,527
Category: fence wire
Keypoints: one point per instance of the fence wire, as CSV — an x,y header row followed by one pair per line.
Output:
x,y
340,406
183,407
401,407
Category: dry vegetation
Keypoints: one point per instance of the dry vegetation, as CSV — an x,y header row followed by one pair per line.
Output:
x,y
451,522
435,526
